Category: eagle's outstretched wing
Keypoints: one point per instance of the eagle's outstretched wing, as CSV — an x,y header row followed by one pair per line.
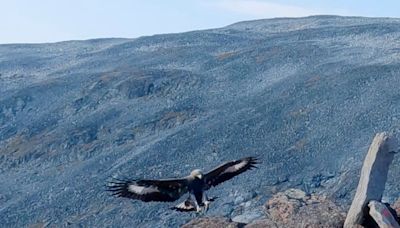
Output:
x,y
149,190
228,170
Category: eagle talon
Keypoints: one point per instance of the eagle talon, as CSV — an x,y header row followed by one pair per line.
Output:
x,y
198,209
206,204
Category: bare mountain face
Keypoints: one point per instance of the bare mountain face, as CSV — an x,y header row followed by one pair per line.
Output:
x,y
306,95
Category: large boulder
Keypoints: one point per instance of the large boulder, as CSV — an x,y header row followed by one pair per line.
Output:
x,y
294,208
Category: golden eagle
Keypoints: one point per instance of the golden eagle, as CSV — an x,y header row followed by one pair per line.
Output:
x,y
168,190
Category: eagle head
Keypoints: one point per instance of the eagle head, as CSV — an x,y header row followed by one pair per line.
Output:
x,y
197,174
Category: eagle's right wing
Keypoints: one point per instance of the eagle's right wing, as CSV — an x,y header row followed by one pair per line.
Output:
x,y
149,190
229,170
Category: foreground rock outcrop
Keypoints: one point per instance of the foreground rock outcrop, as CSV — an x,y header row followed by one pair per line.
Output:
x,y
291,208
366,207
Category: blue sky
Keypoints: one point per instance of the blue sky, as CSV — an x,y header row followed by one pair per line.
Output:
x,y
38,21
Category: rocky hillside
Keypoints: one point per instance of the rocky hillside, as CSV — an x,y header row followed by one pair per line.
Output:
x,y
305,95
292,208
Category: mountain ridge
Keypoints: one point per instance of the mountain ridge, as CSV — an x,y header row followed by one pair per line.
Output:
x,y
306,101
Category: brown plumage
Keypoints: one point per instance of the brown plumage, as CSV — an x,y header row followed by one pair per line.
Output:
x,y
228,170
149,190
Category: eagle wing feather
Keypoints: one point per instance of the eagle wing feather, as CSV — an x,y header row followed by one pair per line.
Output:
x,y
229,170
166,190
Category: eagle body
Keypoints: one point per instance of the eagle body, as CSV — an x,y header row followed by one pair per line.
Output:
x,y
168,190
196,188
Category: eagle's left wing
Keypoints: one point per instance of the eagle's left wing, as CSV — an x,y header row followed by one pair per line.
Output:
x,y
149,190
228,170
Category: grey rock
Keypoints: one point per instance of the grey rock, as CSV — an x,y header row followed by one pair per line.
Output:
x,y
373,178
381,215
249,216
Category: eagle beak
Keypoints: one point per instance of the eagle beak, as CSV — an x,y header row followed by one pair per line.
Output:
x,y
200,176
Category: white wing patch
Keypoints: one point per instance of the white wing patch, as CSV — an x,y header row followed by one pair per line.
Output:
x,y
141,190
235,167
240,165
